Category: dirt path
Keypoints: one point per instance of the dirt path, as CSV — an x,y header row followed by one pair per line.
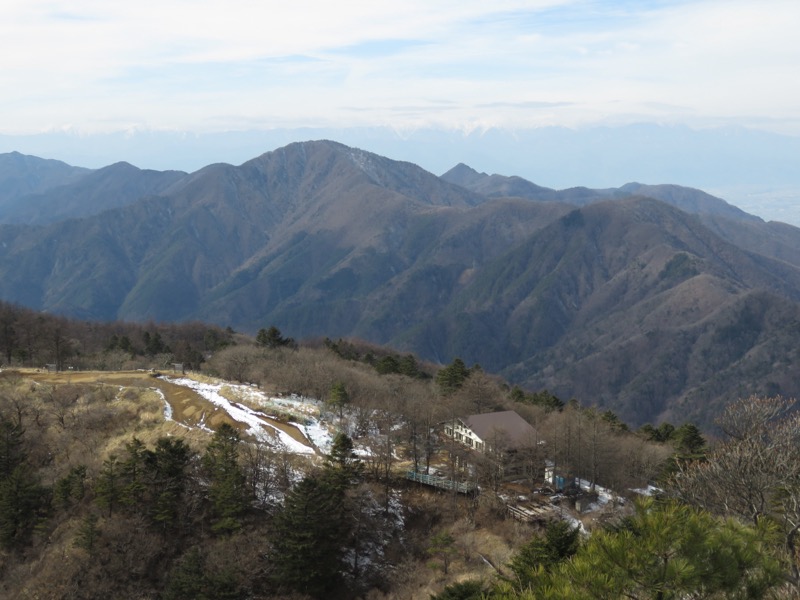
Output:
x,y
291,431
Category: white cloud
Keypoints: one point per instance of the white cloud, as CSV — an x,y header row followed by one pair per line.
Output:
x,y
179,64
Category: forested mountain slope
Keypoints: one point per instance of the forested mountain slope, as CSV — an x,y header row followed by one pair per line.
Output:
x,y
97,191
652,300
21,175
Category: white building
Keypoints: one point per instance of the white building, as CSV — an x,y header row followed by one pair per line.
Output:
x,y
509,439
488,430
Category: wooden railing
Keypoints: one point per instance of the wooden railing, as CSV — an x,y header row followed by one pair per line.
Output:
x,y
442,483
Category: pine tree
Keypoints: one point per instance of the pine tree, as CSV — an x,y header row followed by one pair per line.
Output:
x,y
185,581
228,489
673,551
23,503
338,397
108,486
442,546
614,421
190,579
133,473
559,542
88,533
153,344
517,394
8,335
126,345
71,488
272,338
408,366
11,451
452,377
387,365
464,590
342,465
307,548
689,442
545,399
151,482
166,473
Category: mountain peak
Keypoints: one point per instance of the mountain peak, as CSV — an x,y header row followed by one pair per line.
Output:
x,y
463,175
578,291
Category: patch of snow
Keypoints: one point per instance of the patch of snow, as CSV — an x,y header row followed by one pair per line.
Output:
x,y
257,427
650,490
396,508
317,434
604,496
362,451
167,405
575,523
202,424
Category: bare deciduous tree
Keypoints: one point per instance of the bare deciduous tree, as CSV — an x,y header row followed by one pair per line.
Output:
x,y
236,363
754,473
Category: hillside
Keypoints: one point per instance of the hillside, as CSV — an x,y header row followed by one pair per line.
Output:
x,y
21,175
655,301
687,199
621,303
152,483
92,193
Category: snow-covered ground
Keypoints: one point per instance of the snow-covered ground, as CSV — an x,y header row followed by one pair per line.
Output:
x,y
317,434
167,405
302,409
604,496
650,490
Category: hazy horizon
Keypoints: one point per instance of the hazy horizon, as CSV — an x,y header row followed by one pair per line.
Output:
x,y
699,93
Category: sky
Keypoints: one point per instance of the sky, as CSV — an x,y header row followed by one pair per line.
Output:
x,y
205,67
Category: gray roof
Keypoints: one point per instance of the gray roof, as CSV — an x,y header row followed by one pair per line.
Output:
x,y
518,430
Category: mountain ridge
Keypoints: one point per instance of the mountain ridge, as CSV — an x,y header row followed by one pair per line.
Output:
x,y
327,240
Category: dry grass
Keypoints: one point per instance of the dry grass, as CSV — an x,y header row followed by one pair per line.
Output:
x,y
111,408
135,396
80,421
